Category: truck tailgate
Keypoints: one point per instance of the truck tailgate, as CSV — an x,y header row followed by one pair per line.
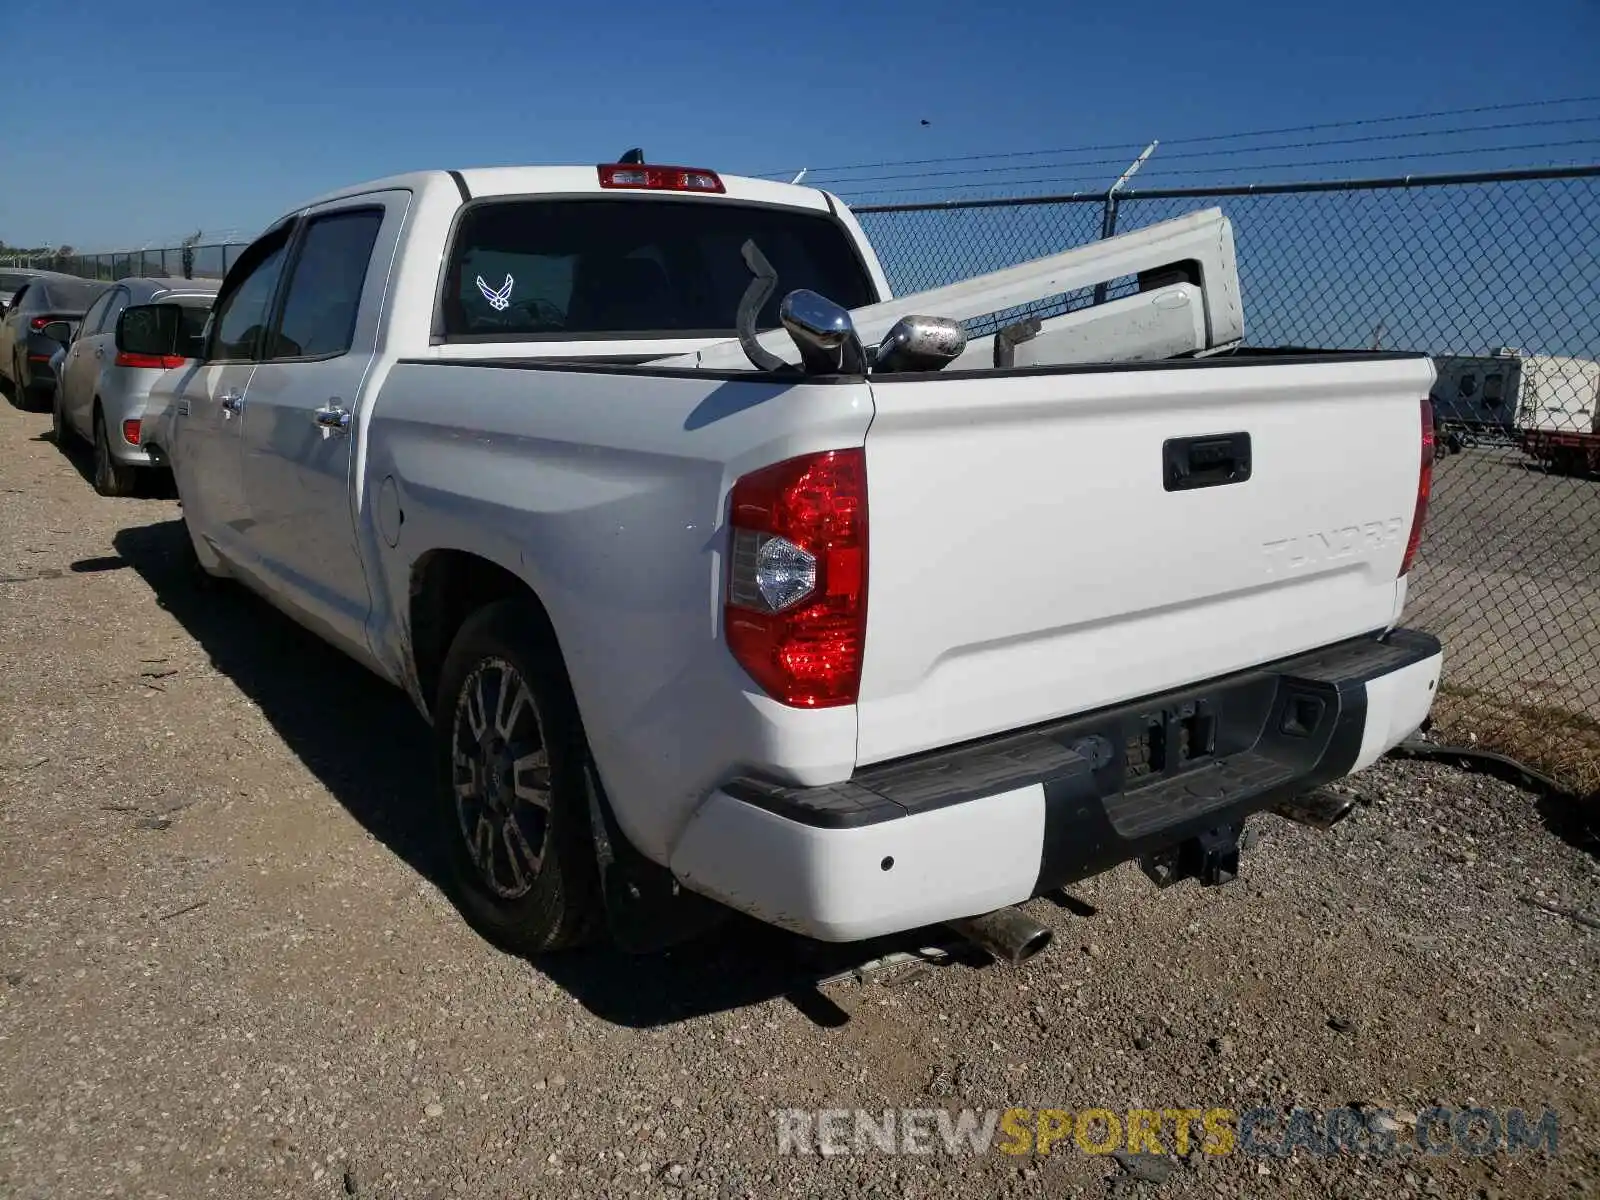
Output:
x,y
1034,551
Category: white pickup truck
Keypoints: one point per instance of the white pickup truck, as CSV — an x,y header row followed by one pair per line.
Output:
x,y
702,603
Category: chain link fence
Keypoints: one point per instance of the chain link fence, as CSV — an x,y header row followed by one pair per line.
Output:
x,y
210,261
1495,276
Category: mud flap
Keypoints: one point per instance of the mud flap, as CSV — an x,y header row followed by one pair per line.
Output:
x,y
647,909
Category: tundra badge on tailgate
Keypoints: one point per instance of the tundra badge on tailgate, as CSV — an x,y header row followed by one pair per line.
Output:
x,y
1330,545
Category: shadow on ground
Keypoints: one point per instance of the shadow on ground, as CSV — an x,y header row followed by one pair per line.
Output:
x,y
368,746
13,394
1573,819
152,483
77,452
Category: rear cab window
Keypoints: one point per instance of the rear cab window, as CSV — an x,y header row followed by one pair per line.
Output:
x,y
565,269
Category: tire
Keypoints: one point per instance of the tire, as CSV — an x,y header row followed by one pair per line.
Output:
x,y
21,396
60,432
30,396
111,478
517,840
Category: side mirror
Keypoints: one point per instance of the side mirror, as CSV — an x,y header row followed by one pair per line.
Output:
x,y
920,344
58,331
164,331
829,344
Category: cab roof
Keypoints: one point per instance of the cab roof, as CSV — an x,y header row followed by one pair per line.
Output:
x,y
533,181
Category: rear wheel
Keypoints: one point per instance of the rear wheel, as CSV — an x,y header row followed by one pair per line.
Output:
x,y
19,394
60,431
111,478
514,772
30,396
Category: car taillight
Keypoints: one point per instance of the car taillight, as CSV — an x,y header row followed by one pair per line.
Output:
x,y
666,179
130,432
153,362
796,610
39,323
1424,490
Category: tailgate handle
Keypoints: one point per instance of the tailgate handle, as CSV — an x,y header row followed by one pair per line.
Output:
x,y
1209,461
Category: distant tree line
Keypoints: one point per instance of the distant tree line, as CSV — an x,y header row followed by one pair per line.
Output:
x,y
10,251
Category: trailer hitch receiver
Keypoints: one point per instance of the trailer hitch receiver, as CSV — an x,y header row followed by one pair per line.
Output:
x,y
1211,856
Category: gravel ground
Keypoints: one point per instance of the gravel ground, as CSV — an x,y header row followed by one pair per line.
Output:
x,y
226,969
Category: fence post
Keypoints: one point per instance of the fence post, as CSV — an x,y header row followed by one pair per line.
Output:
x,y
1108,228
1108,224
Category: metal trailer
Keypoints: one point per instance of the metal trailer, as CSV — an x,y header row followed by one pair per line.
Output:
x,y
1558,413
1475,395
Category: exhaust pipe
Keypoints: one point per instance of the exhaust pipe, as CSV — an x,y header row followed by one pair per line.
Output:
x,y
1006,933
1320,809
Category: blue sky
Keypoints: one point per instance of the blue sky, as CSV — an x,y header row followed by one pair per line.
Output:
x,y
128,123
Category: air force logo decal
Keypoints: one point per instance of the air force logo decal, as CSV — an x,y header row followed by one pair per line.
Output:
x,y
498,300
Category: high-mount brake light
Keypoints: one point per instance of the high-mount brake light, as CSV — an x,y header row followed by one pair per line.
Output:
x,y
648,177
1419,515
796,610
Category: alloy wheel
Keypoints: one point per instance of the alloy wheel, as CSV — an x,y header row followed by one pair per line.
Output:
x,y
501,777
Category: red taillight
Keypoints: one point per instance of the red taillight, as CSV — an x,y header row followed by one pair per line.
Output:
x,y
1424,489
665,179
153,362
130,432
796,611
39,323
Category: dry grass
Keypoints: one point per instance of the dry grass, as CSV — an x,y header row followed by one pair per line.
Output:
x,y
1564,745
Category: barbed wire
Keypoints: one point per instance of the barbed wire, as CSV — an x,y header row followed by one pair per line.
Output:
x,y
1056,181
1354,123
1161,159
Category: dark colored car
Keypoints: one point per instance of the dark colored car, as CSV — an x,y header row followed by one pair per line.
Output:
x,y
43,316
12,280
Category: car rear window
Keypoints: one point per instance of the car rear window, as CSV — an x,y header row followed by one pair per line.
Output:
x,y
10,281
71,295
558,269
196,312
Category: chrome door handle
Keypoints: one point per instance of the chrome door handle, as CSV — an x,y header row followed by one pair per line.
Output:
x,y
232,402
332,420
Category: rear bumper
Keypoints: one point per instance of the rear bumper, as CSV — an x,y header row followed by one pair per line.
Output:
x,y
132,456
37,375
976,827
120,408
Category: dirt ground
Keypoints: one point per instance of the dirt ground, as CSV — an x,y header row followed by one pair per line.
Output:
x,y
226,968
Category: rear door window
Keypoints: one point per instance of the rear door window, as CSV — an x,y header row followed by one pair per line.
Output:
x,y
603,267
119,301
91,319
